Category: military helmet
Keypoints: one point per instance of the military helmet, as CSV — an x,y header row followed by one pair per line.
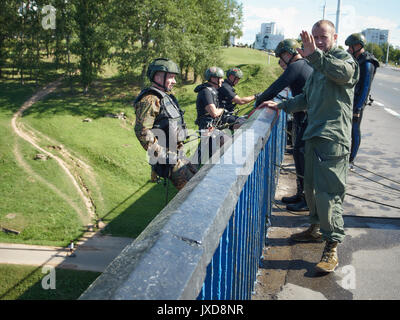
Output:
x,y
287,45
213,72
235,72
163,65
356,38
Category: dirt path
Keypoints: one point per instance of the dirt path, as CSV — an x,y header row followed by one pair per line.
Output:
x,y
29,137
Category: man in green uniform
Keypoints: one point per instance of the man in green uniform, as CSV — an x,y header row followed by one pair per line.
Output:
x,y
160,126
327,97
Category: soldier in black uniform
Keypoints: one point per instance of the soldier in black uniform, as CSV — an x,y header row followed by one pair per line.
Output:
x,y
228,98
209,111
160,126
296,73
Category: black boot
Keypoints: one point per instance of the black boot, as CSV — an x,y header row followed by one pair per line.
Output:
x,y
298,206
293,199
297,197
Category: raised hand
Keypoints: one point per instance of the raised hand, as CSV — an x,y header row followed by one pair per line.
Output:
x,y
308,44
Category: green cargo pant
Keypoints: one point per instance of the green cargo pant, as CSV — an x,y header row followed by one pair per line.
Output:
x,y
326,167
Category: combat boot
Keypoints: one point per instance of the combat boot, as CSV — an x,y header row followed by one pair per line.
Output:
x,y
329,260
298,206
154,176
293,199
312,234
297,197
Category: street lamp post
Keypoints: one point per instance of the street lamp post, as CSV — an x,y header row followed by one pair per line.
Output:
x,y
338,18
387,52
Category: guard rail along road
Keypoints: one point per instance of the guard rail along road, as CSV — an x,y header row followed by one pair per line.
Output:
x,y
207,242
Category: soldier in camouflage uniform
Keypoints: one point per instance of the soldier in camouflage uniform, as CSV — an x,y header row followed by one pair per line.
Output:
x,y
160,126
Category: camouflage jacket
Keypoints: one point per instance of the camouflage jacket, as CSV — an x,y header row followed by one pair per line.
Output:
x,y
155,109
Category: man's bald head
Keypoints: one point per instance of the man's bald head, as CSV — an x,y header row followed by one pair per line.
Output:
x,y
325,23
324,34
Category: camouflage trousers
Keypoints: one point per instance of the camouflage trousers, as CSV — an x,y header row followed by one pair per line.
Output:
x,y
179,174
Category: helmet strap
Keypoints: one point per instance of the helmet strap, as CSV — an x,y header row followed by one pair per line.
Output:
x,y
164,86
217,84
356,51
290,60
230,82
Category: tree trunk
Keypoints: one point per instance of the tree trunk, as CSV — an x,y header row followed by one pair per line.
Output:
x,y
187,73
143,75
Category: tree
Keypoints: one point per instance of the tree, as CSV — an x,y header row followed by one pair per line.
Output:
x,y
188,31
92,46
375,50
8,17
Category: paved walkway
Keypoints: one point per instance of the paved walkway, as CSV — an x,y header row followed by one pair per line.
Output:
x,y
93,253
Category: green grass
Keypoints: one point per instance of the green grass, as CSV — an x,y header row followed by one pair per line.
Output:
x,y
119,180
25,283
243,56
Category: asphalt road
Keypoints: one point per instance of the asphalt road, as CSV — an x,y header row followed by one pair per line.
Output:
x,y
386,89
379,151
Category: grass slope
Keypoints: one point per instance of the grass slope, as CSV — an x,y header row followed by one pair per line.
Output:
x,y
25,283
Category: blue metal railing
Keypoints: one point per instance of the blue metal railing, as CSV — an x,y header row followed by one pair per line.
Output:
x,y
207,242
232,272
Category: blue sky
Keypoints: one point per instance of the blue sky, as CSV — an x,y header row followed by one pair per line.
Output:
x,y
292,16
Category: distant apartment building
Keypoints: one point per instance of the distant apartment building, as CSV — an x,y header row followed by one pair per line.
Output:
x,y
268,38
376,36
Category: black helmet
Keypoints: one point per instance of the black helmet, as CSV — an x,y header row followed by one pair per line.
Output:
x,y
163,65
213,72
356,38
287,45
235,72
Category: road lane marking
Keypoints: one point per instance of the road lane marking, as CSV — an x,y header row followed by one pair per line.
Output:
x,y
397,89
392,112
388,110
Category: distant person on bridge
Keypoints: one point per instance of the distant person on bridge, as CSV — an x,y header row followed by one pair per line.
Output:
x,y
228,98
297,71
368,65
327,97
160,126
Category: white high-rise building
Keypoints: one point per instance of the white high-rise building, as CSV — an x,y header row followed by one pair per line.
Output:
x,y
268,39
377,36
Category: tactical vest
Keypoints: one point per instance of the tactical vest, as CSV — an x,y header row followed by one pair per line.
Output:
x,y
366,56
363,58
225,103
170,118
202,115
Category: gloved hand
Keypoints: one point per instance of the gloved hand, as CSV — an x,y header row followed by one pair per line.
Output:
x,y
227,112
257,95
